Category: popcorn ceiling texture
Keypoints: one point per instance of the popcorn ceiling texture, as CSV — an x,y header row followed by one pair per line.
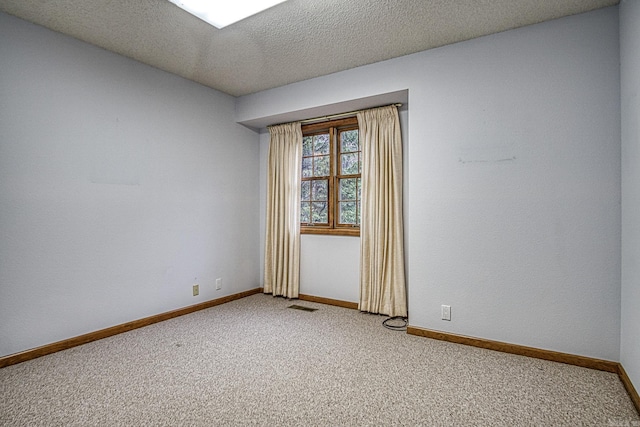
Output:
x,y
291,42
256,362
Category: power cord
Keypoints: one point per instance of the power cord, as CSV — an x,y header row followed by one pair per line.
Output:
x,y
399,323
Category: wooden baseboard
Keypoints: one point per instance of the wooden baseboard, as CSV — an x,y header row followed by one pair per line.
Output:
x,y
587,362
12,359
554,356
329,301
571,359
633,393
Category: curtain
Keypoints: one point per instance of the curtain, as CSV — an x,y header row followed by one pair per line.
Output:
x,y
382,278
282,240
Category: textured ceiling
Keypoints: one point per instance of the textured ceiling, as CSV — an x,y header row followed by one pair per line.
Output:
x,y
293,41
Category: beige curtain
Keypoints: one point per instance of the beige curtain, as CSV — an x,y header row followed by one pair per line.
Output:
x,y
382,279
282,242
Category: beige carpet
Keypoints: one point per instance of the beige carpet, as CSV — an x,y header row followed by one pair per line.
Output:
x,y
256,362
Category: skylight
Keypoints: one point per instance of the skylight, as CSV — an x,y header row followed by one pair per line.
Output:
x,y
221,13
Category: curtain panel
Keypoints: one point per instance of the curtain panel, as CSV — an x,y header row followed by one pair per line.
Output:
x,y
382,276
282,240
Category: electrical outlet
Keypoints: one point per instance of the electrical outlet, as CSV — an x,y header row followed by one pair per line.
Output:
x,y
446,312
196,290
218,284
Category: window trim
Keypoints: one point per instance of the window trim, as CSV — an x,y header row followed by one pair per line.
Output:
x,y
332,126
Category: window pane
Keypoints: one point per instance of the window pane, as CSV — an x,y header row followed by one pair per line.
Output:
x,y
307,164
320,190
349,141
349,164
348,214
305,192
307,146
348,189
305,212
319,212
359,189
321,166
321,144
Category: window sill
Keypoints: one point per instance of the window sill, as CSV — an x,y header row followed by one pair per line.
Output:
x,y
331,231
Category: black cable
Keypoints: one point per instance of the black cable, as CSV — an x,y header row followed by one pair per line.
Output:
x,y
401,327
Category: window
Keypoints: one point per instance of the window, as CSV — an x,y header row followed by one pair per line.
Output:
x,y
331,183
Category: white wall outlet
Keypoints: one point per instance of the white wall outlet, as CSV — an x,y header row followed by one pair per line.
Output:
x,y
218,284
196,290
446,312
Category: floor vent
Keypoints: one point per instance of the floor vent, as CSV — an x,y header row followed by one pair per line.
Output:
x,y
299,307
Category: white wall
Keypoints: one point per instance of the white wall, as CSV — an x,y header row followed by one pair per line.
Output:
x,y
513,204
329,266
630,87
517,144
119,185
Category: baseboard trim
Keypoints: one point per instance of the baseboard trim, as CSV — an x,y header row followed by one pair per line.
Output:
x,y
329,301
33,353
633,393
555,356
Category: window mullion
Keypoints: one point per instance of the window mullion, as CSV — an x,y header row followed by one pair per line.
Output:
x,y
332,173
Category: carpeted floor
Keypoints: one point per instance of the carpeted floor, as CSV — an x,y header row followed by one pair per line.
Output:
x,y
256,362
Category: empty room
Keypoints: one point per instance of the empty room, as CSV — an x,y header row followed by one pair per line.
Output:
x,y
340,212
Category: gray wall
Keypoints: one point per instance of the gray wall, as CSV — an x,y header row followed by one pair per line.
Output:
x,y
513,173
630,85
120,185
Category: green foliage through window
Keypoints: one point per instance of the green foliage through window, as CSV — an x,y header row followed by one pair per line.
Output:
x,y
331,183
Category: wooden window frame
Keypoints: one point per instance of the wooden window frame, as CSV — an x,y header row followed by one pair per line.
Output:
x,y
333,127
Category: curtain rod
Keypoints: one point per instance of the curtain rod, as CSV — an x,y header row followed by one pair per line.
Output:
x,y
337,116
